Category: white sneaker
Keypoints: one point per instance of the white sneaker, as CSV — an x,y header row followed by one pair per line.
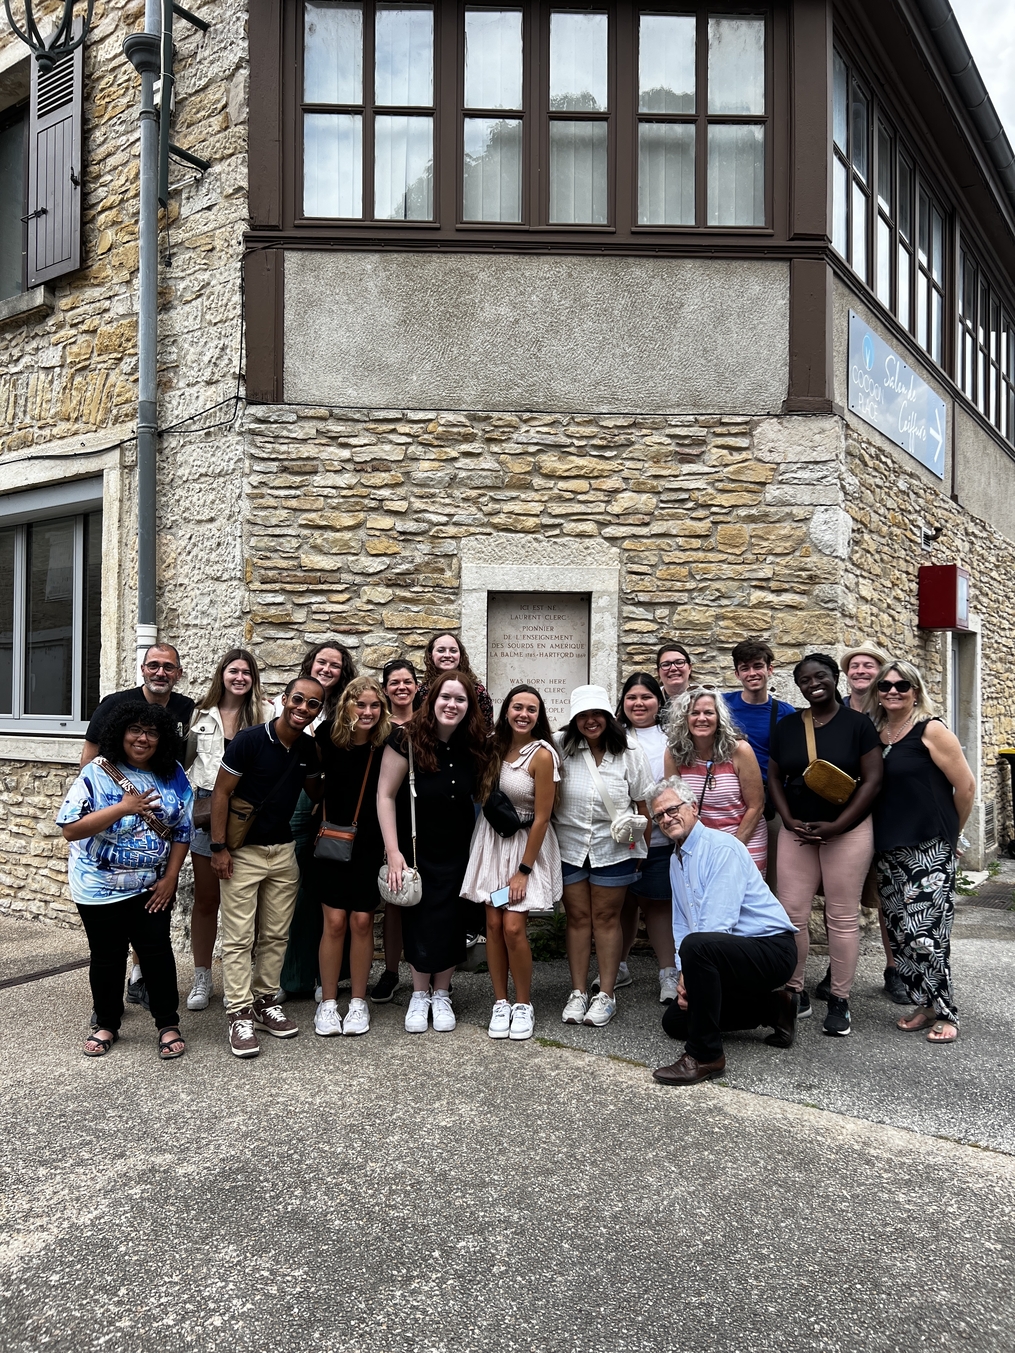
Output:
x,y
357,1018
500,1020
574,1011
601,1011
443,1015
200,992
327,1020
523,1019
667,985
281,996
624,978
418,1013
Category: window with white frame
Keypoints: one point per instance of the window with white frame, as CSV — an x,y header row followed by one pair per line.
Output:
x,y
50,616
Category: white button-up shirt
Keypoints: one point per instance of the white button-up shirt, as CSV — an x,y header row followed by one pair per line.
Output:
x,y
581,819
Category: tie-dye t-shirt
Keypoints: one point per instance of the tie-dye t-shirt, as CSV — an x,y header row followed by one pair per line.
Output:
x,y
128,857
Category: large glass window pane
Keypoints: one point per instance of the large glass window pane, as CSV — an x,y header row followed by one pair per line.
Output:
x,y
840,102
578,63
840,206
493,59
332,164
922,310
905,275
332,52
858,231
905,200
666,63
858,140
937,265
403,168
884,284
936,325
736,65
578,173
403,62
923,246
49,618
91,627
6,621
736,174
12,192
493,169
665,173
885,167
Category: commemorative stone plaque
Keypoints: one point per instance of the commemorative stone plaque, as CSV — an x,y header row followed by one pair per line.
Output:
x,y
541,638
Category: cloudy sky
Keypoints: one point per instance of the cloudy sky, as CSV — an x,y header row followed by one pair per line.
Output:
x,y
989,28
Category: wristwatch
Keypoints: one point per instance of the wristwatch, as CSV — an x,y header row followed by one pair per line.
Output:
x,y
525,869
216,846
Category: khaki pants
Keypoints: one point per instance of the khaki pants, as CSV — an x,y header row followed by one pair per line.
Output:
x,y
257,900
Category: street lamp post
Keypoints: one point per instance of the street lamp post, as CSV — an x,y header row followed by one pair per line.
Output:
x,y
63,41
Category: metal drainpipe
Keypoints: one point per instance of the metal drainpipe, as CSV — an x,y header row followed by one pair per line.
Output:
x,y
143,50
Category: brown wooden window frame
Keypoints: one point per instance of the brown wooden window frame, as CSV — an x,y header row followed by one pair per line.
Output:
x,y
985,345
622,117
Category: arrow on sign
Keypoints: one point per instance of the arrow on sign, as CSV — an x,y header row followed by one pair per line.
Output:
x,y
937,434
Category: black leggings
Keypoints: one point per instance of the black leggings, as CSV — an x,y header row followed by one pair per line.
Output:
x,y
729,980
112,927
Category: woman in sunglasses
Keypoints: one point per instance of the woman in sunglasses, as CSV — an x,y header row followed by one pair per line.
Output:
x,y
826,843
926,796
716,761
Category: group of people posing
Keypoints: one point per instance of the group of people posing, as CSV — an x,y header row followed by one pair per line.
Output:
x,y
716,816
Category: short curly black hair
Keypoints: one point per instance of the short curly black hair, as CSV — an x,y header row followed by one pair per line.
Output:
x,y
155,717
821,660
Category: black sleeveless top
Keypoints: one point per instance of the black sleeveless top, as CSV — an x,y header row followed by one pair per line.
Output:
x,y
917,802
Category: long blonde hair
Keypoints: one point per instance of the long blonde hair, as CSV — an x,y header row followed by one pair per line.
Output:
x,y
924,707
343,724
678,730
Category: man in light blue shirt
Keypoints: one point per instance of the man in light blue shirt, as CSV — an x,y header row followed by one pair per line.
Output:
x,y
734,942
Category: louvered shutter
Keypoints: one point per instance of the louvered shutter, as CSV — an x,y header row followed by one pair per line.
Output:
x,y
54,169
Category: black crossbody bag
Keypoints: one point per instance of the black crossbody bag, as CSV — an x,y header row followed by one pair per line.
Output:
x,y
769,809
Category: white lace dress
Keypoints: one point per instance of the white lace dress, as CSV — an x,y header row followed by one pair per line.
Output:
x,y
494,859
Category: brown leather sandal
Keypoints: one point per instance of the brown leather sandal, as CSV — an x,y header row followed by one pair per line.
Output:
x,y
99,1046
938,1033
921,1018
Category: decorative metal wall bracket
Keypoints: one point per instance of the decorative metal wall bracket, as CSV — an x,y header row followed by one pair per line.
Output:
x,y
61,43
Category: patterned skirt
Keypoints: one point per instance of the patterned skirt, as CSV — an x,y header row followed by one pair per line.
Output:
x,y
917,888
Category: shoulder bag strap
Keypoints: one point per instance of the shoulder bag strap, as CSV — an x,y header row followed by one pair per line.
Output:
x,y
117,776
704,786
412,799
812,746
773,720
590,761
363,788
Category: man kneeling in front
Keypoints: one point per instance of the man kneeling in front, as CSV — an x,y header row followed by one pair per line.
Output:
x,y
734,942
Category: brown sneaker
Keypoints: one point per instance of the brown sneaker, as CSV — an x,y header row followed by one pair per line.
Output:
x,y
242,1039
270,1017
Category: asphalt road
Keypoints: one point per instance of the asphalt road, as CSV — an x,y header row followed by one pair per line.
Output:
x,y
446,1192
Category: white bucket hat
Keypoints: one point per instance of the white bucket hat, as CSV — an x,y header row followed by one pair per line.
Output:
x,y
584,698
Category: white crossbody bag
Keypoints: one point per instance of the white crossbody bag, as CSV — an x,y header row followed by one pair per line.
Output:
x,y
411,892
625,828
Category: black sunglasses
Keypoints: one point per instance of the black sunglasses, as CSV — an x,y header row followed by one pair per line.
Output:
x,y
902,687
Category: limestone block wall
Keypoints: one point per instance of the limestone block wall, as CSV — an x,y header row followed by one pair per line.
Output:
x,y
33,854
354,523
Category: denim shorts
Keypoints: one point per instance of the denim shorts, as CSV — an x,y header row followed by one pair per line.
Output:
x,y
619,875
654,880
200,842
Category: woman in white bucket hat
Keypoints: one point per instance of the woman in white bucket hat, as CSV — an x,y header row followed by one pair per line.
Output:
x,y
605,777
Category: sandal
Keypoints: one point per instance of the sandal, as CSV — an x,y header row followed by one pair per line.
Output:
x,y
938,1034
921,1018
99,1046
166,1043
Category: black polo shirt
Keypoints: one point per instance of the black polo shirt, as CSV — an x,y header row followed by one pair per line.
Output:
x,y
271,777
180,708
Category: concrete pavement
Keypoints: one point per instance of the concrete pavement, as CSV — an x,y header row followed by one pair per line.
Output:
x,y
445,1192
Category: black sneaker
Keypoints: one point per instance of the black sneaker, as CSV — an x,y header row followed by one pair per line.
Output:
x,y
823,991
137,993
804,1012
837,1020
385,987
895,988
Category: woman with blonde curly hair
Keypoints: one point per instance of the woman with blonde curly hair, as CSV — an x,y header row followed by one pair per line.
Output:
x,y
716,761
351,748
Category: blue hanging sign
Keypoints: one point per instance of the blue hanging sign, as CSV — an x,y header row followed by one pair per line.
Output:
x,y
889,395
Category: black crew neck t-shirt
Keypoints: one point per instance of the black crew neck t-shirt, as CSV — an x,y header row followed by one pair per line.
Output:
x,y
180,708
843,741
271,778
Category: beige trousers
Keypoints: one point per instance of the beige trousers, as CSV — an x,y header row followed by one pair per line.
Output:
x,y
257,901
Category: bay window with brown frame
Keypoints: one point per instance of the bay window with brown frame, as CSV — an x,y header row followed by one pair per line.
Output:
x,y
985,348
536,119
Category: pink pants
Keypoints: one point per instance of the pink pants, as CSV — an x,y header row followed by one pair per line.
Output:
x,y
838,867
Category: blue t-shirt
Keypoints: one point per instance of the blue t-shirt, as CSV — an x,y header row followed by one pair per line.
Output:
x,y
128,857
755,722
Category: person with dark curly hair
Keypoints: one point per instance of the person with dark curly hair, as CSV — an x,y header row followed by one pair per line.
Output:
x,y
450,750
825,843
127,817
446,653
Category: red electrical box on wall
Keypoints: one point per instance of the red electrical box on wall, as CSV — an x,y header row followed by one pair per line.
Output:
x,y
943,597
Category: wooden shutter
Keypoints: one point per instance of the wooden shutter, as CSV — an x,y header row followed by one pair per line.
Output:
x,y
54,169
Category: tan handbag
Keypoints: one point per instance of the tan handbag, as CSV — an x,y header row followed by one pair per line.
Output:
x,y
239,822
824,779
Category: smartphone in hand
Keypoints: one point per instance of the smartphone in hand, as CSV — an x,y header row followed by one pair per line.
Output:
x,y
501,897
